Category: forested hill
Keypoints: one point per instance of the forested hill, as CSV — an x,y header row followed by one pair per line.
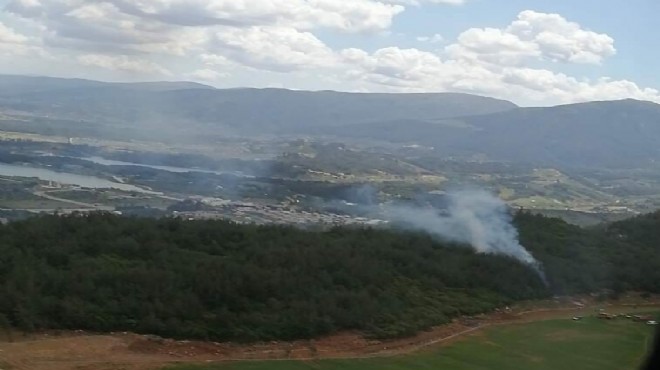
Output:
x,y
621,257
221,281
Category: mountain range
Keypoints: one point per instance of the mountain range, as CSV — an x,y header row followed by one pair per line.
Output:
x,y
609,134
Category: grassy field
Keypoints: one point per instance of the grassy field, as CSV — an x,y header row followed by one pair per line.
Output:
x,y
546,345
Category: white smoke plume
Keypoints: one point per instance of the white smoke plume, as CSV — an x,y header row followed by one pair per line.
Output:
x,y
475,218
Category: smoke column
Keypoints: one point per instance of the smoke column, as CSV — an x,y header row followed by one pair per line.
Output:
x,y
476,218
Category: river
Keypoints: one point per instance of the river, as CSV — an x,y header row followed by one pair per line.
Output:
x,y
84,181
111,162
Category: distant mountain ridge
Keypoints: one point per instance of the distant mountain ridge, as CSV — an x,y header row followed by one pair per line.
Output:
x,y
257,110
11,85
609,133
606,133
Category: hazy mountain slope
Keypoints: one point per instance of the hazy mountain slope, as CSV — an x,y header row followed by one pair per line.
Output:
x,y
11,85
402,131
318,109
163,86
16,85
250,110
614,133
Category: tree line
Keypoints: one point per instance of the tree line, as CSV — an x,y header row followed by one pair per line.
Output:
x,y
216,280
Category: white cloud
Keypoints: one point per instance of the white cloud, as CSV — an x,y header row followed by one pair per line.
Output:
x,y
103,27
534,35
433,39
123,63
350,16
272,48
561,40
492,45
421,2
540,84
207,75
13,43
215,60
412,70
495,62
9,36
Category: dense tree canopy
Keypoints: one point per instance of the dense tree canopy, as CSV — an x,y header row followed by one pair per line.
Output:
x,y
622,256
222,281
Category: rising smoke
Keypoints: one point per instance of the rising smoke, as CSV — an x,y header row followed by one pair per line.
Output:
x,y
475,218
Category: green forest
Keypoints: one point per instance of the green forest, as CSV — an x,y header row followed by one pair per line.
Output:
x,y
216,280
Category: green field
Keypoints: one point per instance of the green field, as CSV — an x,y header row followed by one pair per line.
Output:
x,y
545,345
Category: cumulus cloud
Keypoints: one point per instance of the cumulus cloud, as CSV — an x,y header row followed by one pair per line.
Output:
x,y
412,69
495,62
9,36
183,28
350,16
560,40
103,26
279,49
539,84
534,35
13,43
491,45
214,60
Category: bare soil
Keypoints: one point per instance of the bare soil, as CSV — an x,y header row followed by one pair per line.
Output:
x,y
127,351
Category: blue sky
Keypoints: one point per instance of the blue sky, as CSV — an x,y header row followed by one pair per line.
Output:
x,y
535,52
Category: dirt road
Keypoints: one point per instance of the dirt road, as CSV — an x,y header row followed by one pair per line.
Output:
x,y
125,351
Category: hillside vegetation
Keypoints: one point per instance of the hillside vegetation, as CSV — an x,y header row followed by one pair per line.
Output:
x,y
221,281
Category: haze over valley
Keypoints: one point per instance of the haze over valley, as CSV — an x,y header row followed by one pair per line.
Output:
x,y
309,149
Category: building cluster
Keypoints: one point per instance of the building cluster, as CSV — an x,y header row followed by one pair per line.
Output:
x,y
247,212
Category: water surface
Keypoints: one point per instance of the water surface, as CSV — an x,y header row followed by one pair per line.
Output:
x,y
84,181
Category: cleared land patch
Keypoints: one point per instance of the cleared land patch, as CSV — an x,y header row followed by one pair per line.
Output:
x,y
544,345
541,339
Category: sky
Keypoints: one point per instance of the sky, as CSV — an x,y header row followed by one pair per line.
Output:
x,y
532,52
